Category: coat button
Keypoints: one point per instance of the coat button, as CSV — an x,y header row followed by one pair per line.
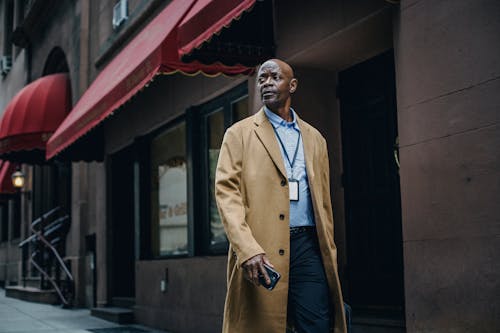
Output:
x,y
281,252
283,182
282,216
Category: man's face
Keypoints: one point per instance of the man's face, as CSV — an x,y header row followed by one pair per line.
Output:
x,y
275,83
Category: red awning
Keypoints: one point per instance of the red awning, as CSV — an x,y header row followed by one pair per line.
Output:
x,y
206,18
32,116
153,51
6,171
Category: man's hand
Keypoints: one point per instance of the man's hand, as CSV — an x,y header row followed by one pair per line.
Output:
x,y
254,266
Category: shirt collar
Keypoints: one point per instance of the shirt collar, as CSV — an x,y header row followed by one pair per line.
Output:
x,y
277,121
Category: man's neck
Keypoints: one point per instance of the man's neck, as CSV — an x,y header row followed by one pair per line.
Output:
x,y
284,113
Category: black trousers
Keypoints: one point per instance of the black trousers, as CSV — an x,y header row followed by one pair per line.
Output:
x,y
308,294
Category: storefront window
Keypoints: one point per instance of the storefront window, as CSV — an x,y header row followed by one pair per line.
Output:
x,y
219,114
240,109
215,126
182,163
169,192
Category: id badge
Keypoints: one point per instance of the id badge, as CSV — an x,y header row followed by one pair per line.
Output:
x,y
293,186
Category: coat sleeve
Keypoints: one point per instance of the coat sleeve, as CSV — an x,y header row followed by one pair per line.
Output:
x,y
230,202
327,200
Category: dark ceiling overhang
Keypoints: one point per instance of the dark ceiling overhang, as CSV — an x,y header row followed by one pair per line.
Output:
x,y
245,35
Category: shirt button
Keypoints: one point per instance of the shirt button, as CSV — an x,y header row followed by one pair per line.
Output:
x,y
282,216
281,252
283,182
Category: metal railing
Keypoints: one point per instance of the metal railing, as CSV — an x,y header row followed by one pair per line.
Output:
x,y
47,240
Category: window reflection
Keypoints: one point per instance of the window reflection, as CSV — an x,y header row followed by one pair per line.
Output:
x,y
215,131
240,109
169,192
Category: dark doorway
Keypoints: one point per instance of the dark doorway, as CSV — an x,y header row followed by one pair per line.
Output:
x,y
51,192
90,247
121,199
371,184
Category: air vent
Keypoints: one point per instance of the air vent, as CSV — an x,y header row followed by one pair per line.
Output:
x,y
120,13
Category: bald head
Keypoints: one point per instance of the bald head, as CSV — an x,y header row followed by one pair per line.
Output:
x,y
276,83
285,68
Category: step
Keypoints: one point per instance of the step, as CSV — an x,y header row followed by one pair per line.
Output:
x,y
376,329
114,314
31,294
123,302
33,282
371,324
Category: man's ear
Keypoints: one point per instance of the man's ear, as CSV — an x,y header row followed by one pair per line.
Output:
x,y
293,85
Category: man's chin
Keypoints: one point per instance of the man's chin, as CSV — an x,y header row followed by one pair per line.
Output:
x,y
270,104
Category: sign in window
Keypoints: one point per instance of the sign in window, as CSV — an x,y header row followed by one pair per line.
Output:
x,y
169,192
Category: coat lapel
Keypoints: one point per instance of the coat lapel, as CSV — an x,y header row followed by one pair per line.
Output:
x,y
308,142
265,133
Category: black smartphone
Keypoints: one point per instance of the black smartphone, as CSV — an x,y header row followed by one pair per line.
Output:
x,y
273,275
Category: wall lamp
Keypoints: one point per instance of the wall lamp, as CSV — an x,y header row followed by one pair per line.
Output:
x,y
18,179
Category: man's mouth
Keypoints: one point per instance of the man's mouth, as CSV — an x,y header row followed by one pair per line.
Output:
x,y
268,93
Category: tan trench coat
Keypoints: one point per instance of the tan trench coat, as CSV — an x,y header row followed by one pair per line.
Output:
x,y
252,193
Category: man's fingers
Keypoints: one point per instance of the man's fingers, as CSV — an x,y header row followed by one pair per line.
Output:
x,y
263,271
255,274
267,262
254,267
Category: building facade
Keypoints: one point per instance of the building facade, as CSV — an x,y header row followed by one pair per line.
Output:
x,y
403,91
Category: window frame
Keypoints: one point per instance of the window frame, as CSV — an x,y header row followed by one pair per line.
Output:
x,y
147,251
197,166
203,111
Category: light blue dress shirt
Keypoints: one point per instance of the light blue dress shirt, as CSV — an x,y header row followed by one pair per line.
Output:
x,y
301,211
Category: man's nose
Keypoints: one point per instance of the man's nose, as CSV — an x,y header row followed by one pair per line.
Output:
x,y
268,81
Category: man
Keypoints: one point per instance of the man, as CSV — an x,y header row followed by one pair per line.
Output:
x,y
273,194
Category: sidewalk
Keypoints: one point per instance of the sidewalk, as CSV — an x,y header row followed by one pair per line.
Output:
x,y
24,317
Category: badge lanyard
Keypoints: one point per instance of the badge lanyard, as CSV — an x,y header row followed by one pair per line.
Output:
x,y
293,184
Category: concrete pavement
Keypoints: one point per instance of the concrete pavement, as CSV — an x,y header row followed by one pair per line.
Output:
x,y
25,317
